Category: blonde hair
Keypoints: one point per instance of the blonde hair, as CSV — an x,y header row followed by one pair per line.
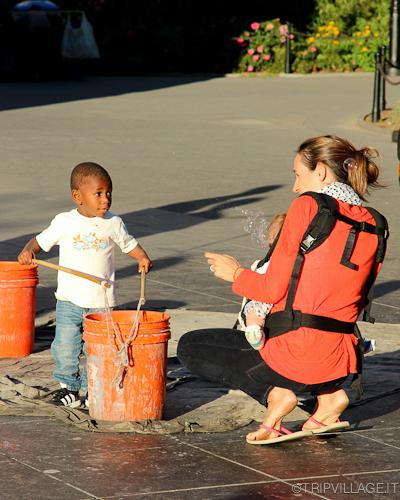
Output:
x,y
351,166
275,226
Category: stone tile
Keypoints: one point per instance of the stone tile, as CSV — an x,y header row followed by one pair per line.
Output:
x,y
263,489
388,436
118,465
46,439
19,481
309,457
113,471
363,486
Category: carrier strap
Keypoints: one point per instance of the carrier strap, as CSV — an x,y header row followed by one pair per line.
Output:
x,y
281,322
383,235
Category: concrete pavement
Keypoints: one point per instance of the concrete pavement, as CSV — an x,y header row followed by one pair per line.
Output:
x,y
187,156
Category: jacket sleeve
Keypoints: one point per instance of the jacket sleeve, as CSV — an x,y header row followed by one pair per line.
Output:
x,y
272,286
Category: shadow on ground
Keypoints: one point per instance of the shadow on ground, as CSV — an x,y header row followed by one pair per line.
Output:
x,y
13,95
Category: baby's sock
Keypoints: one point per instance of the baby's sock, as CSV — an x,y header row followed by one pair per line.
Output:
x,y
255,336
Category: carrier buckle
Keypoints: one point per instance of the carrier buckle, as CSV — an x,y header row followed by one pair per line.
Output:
x,y
307,243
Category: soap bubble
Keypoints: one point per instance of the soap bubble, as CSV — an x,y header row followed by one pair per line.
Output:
x,y
256,224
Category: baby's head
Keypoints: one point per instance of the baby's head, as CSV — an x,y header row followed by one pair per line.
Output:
x,y
275,226
91,189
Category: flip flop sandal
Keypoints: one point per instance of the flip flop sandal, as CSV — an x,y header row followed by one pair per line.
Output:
x,y
282,435
336,426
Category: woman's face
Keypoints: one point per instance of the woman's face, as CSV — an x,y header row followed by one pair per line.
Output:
x,y
306,179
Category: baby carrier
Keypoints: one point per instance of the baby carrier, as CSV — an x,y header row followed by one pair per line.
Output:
x,y
317,232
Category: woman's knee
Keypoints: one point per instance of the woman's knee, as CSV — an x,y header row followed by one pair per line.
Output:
x,y
187,345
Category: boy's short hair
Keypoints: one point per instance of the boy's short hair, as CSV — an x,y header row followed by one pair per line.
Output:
x,y
87,169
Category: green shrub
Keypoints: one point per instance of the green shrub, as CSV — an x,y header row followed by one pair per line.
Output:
x,y
344,36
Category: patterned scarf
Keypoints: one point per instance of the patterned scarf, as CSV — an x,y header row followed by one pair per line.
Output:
x,y
342,192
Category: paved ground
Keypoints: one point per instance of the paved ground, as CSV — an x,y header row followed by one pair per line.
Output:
x,y
187,156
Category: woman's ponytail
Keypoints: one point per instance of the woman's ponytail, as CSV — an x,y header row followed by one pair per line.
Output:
x,y
364,173
349,165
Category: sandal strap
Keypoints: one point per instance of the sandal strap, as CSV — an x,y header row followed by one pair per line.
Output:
x,y
285,431
320,424
271,429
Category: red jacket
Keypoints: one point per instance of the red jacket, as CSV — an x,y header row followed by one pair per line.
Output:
x,y
325,288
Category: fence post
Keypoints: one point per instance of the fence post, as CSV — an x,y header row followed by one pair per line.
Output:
x,y
382,51
394,38
288,66
398,155
376,101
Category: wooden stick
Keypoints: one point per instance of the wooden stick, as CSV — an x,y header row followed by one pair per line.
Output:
x,y
143,286
89,277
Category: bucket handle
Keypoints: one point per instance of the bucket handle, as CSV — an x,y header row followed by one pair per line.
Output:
x,y
142,286
94,279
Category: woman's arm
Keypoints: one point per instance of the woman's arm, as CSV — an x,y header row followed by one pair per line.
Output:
x,y
272,286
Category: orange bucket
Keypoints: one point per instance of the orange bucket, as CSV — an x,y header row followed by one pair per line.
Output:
x,y
17,306
141,395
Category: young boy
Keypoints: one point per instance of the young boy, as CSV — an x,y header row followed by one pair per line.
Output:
x,y
87,236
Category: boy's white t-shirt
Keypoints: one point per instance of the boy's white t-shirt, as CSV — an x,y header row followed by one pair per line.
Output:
x,y
86,244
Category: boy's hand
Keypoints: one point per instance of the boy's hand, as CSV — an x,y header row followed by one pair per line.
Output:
x,y
139,254
25,257
145,263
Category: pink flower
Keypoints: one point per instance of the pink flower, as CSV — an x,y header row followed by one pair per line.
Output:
x,y
313,49
270,26
250,69
291,36
254,26
251,52
260,49
267,57
256,58
240,40
283,29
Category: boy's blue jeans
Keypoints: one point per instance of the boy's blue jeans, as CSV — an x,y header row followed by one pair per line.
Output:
x,y
68,345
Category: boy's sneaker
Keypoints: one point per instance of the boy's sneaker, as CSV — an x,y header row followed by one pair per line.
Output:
x,y
66,397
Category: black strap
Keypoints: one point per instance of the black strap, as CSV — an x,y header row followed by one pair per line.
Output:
x,y
323,222
383,235
357,381
348,250
281,322
298,264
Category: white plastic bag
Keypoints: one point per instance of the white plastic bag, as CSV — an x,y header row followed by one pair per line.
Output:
x,y
79,42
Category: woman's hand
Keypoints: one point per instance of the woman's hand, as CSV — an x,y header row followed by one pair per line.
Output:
x,y
223,266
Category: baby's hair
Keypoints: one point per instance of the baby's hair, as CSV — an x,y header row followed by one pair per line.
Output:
x,y
350,165
275,226
87,169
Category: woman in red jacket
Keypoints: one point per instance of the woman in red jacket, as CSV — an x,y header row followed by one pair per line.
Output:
x,y
303,359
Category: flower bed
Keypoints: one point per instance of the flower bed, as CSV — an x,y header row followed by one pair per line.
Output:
x,y
348,43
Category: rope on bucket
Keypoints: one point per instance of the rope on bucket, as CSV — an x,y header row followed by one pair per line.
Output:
x,y
123,351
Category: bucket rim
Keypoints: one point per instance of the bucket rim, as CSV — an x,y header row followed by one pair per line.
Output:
x,y
15,266
95,316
